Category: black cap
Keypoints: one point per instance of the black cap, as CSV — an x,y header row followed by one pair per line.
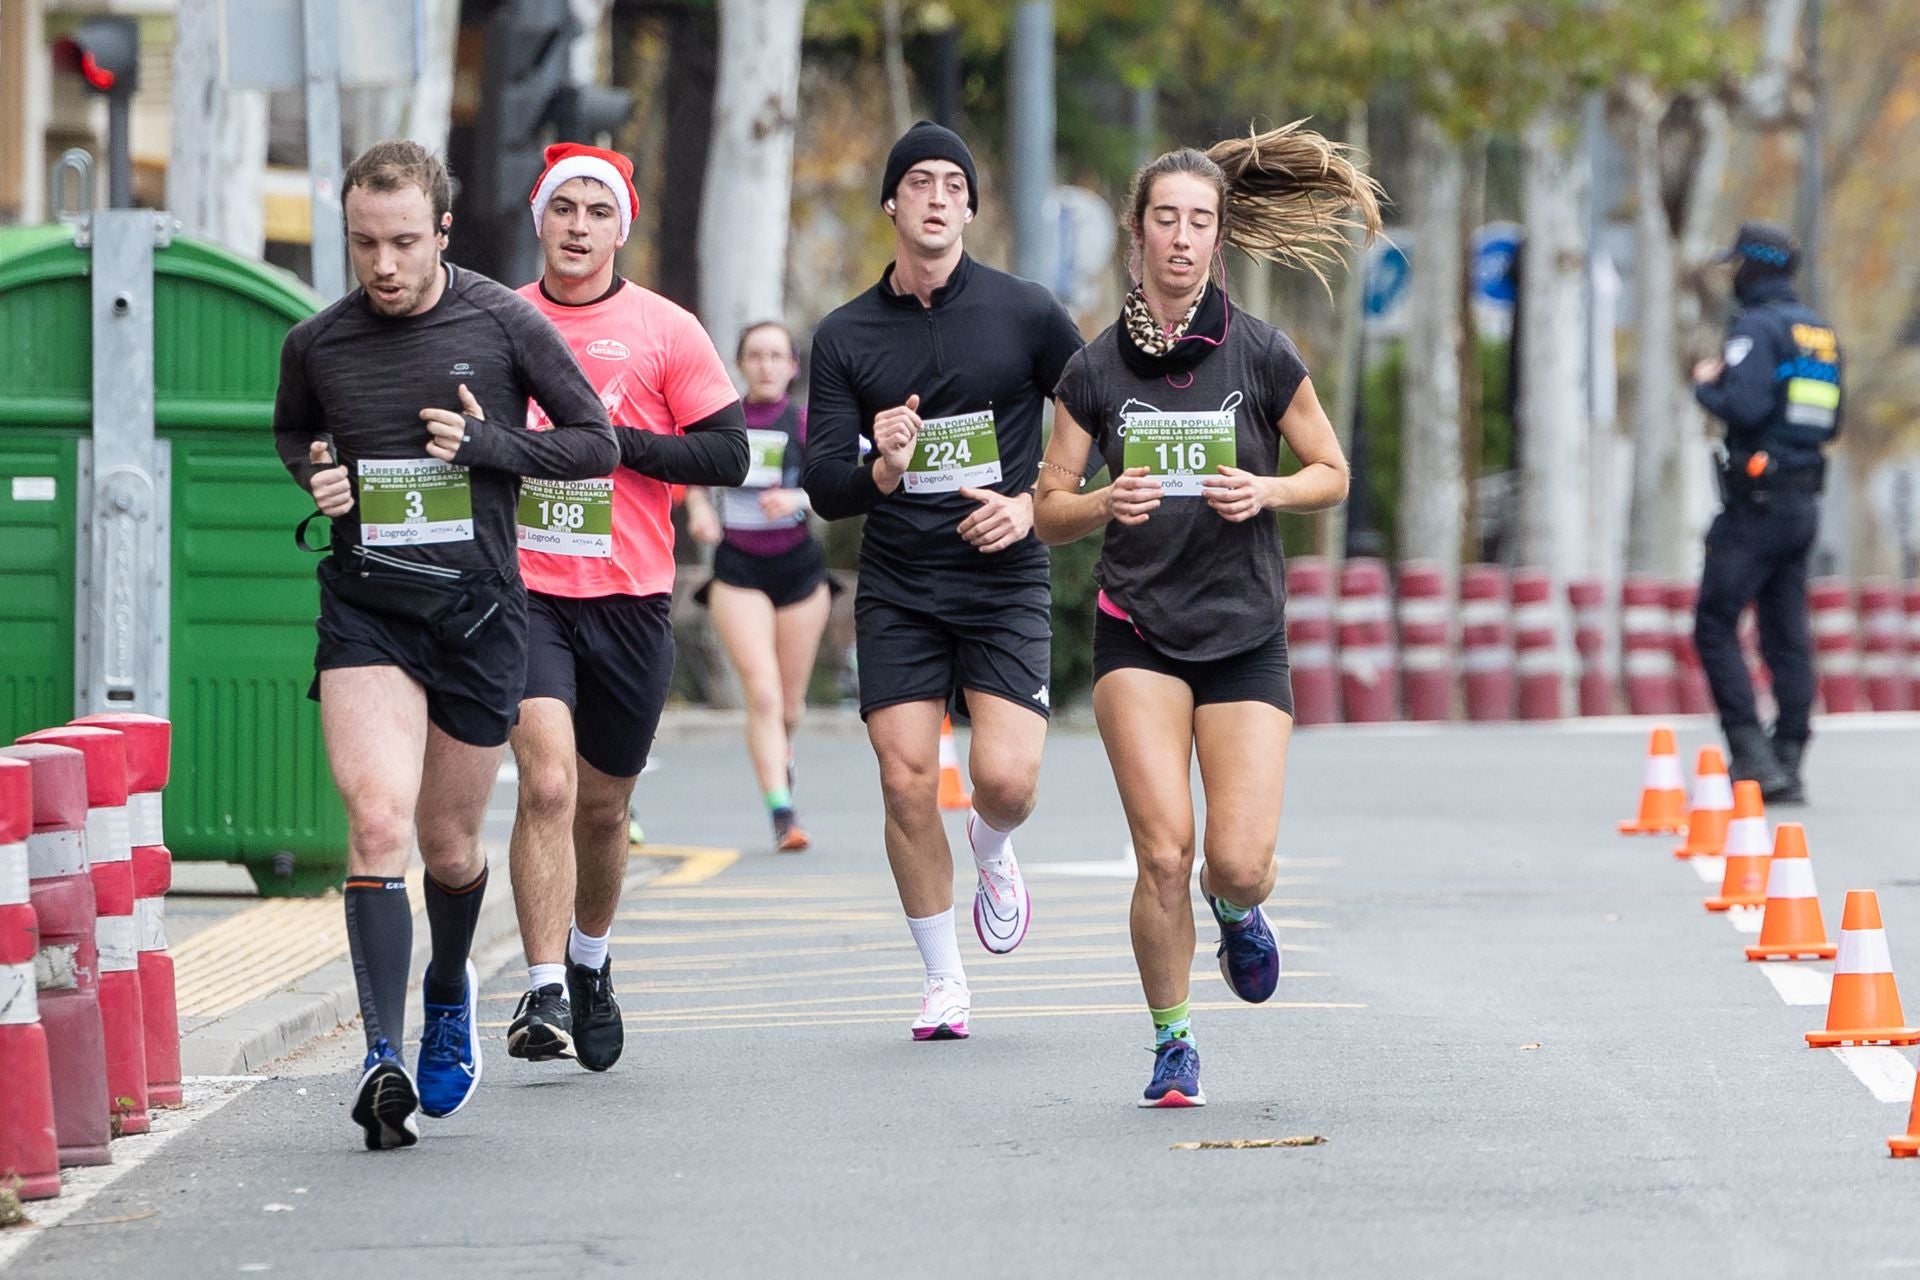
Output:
x,y
929,141
1766,245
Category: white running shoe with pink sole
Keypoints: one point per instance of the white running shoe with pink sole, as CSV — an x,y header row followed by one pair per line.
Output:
x,y
944,1005
1002,907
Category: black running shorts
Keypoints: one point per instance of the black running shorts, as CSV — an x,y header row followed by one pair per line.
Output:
x,y
948,632
611,661
1261,674
786,578
473,692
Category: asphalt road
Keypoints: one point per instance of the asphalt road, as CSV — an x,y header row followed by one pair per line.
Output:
x,y
1527,1047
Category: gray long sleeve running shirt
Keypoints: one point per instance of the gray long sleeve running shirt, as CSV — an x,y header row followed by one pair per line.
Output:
x,y
359,380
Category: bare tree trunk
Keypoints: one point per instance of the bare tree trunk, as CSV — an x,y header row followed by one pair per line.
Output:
x,y
743,224
893,55
218,150
1433,497
1331,528
1551,409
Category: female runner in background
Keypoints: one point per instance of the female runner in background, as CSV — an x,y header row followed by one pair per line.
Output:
x,y
769,595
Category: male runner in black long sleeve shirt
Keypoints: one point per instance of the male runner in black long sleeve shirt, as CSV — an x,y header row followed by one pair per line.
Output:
x,y
598,559
945,365
401,408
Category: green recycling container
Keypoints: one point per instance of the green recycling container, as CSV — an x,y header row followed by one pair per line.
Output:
x,y
250,782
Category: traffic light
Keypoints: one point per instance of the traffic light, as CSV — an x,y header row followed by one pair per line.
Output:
x,y
526,100
105,54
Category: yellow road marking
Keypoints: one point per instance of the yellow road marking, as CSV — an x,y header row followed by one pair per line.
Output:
x,y
1036,1011
803,930
893,976
697,863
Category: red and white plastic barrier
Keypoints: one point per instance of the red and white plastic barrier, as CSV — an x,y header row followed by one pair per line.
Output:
x,y
1537,658
1365,627
1646,641
1883,646
1316,693
1690,677
1912,603
1835,651
29,1148
110,850
1426,643
149,744
1588,599
1486,643
68,965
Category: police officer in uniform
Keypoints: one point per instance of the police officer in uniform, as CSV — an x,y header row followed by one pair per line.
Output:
x,y
1776,386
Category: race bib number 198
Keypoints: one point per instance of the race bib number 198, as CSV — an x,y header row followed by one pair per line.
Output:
x,y
567,517
409,502
951,454
1180,450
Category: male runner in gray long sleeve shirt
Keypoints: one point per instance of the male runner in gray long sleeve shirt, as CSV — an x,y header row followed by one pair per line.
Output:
x,y
402,409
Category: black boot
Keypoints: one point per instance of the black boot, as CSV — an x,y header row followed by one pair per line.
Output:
x,y
1752,759
1790,752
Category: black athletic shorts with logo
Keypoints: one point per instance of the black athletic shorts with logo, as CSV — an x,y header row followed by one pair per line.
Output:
x,y
786,577
1261,674
611,661
473,691
939,632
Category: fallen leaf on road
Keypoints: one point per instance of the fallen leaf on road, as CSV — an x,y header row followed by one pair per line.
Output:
x,y
276,1208
1243,1144
1534,1045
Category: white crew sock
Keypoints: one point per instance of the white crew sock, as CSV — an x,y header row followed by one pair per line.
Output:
x,y
544,975
589,952
989,843
939,948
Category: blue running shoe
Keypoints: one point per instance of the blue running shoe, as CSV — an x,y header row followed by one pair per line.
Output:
x,y
1176,1076
1249,954
387,1105
449,1067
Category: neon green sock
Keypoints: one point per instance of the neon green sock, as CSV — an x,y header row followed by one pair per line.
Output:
x,y
1171,1024
1230,913
779,798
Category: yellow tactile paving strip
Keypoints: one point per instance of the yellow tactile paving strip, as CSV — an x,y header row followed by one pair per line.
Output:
x,y
262,949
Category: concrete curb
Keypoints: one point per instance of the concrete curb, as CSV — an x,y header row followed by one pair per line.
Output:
x,y
259,1033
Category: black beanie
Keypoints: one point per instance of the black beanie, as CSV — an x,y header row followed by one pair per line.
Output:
x,y
929,141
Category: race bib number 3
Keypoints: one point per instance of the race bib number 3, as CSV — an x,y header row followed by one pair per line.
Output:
x,y
409,502
1180,450
567,517
766,459
951,454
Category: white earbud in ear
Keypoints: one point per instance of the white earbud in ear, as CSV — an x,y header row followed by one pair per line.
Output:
x,y
969,217
890,206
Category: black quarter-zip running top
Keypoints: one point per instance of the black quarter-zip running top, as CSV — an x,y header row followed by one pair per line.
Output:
x,y
989,341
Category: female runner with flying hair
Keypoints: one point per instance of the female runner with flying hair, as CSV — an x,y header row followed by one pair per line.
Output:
x,y
1188,399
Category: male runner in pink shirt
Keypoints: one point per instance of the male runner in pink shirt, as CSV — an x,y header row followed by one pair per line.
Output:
x,y
597,557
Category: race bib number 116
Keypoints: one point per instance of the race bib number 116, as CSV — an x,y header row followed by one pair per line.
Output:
x,y
1180,450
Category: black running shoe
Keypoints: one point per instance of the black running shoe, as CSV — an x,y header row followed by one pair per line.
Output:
x,y
598,1033
387,1104
542,1027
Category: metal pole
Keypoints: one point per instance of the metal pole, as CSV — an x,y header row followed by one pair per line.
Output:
x,y
320,29
1146,123
119,151
1030,93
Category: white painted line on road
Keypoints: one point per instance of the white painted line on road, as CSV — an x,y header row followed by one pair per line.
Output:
x,y
204,1095
1121,868
1746,919
1711,869
1886,1072
1798,984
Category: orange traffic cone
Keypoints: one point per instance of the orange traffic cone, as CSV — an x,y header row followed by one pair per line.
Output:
x,y
1663,794
1908,1143
1792,924
1712,807
1748,850
953,788
1865,1006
